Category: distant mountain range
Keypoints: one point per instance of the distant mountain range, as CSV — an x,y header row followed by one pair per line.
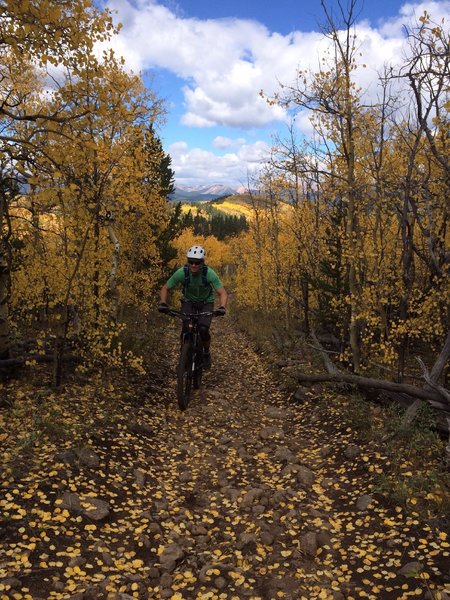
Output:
x,y
203,193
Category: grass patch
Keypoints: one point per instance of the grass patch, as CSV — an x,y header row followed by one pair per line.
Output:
x,y
360,415
417,478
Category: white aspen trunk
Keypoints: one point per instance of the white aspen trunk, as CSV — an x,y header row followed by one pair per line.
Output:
x,y
114,267
5,340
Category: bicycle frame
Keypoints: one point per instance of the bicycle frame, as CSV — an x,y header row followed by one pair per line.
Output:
x,y
191,337
190,366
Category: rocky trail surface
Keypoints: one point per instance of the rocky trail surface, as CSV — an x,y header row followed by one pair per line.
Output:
x,y
246,494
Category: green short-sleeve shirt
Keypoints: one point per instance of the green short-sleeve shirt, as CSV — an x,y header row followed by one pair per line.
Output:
x,y
196,292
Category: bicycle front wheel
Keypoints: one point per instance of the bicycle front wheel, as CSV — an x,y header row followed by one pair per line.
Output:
x,y
184,376
198,369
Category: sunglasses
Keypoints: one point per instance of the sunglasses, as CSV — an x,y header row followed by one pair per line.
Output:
x,y
195,262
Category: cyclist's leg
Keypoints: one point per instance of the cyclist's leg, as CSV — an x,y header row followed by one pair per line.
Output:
x,y
204,325
203,328
187,308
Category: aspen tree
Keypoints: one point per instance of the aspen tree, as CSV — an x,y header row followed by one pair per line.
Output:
x,y
104,219
423,134
46,34
332,96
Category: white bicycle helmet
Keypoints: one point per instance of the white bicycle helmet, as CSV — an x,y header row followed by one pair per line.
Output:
x,y
196,252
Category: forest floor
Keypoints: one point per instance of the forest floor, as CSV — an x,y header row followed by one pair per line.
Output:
x,y
108,491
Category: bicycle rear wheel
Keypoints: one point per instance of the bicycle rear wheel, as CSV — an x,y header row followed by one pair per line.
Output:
x,y
184,376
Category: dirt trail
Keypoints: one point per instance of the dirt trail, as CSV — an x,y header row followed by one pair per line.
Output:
x,y
261,499
246,494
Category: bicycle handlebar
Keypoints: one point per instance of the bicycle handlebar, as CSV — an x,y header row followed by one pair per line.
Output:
x,y
177,313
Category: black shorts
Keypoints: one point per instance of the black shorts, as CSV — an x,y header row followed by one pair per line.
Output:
x,y
190,307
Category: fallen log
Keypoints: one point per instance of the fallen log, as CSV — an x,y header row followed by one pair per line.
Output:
x,y
411,396
441,360
432,396
8,363
289,362
431,383
20,361
329,365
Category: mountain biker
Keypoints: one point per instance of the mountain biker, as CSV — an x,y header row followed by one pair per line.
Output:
x,y
200,283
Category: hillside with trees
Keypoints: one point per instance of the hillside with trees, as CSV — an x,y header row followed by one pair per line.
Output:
x,y
207,220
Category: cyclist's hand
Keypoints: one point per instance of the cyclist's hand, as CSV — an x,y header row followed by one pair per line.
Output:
x,y
220,312
163,308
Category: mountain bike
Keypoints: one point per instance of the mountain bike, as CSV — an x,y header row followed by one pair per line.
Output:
x,y
190,364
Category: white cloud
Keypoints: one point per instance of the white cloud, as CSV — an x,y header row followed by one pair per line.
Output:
x,y
224,63
193,165
222,142
409,15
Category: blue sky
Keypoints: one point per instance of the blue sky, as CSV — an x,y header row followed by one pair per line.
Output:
x,y
208,59
283,16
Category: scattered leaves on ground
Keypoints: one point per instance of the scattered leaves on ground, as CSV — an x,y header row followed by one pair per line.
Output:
x,y
109,489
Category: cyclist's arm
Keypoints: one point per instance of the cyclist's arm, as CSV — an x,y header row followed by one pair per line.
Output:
x,y
223,296
164,293
175,279
214,280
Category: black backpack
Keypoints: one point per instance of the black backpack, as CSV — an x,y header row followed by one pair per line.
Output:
x,y
187,277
